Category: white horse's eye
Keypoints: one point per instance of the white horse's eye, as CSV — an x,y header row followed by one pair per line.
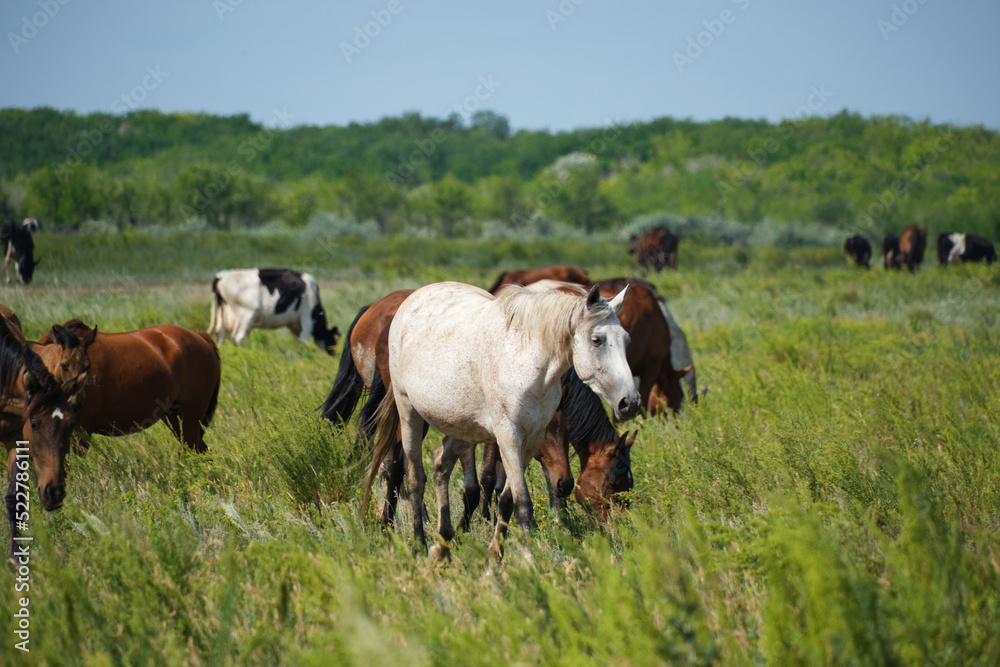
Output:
x,y
597,341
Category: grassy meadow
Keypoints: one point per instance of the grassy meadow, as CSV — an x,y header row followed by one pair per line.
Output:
x,y
834,498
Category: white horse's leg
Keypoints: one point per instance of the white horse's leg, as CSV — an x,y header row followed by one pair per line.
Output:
x,y
445,456
515,499
470,494
411,427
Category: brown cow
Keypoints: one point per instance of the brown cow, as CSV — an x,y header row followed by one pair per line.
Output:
x,y
657,246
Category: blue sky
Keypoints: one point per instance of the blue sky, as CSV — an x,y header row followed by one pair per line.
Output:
x,y
546,64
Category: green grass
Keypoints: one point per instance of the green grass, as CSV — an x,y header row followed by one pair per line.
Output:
x,y
832,499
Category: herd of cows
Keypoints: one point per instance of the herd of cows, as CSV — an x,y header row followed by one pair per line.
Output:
x,y
908,248
522,367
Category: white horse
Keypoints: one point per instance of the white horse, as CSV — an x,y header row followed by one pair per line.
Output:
x,y
485,369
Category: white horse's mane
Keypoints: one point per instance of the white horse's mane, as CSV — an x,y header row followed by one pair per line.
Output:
x,y
549,317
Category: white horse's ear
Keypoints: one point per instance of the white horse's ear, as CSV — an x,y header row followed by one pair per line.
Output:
x,y
619,301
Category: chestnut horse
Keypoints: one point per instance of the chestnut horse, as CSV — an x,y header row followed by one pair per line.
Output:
x,y
659,355
912,243
138,378
605,464
36,422
566,274
358,370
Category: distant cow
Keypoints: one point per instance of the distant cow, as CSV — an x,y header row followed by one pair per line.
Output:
x,y
269,299
859,249
957,247
890,252
912,243
18,245
656,247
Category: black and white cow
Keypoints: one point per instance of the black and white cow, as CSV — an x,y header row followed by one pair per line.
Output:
x,y
18,245
246,299
957,247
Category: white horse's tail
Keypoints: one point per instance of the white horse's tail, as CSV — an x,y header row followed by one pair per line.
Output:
x,y
386,436
680,354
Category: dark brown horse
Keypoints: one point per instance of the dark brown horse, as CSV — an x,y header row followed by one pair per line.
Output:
x,y
566,274
138,378
912,243
36,422
656,247
359,370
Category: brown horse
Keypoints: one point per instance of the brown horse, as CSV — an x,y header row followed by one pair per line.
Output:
x,y
359,370
656,247
566,274
605,463
658,355
36,421
138,378
912,243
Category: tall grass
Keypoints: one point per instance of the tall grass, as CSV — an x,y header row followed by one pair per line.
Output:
x,y
832,499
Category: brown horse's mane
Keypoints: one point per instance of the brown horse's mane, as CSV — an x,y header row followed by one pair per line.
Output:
x,y
585,413
15,357
75,325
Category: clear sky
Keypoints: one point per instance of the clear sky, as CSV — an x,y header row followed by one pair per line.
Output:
x,y
543,64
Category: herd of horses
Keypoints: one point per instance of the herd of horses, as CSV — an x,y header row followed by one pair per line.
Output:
x,y
522,368
908,249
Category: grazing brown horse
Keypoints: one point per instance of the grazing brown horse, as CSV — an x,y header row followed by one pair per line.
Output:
x,y
358,370
566,274
138,378
912,243
656,247
36,422
605,463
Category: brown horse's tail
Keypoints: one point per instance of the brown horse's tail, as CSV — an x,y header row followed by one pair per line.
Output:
x,y
387,418
213,402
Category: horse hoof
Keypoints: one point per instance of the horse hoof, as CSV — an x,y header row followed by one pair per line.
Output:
x,y
495,552
441,553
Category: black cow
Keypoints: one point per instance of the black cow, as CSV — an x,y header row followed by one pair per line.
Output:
x,y
18,245
891,259
956,247
859,249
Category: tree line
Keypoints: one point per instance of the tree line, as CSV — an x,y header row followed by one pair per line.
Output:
x,y
452,176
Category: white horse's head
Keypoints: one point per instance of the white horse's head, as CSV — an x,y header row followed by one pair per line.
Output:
x,y
599,343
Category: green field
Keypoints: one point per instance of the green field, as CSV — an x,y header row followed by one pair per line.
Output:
x,y
834,497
